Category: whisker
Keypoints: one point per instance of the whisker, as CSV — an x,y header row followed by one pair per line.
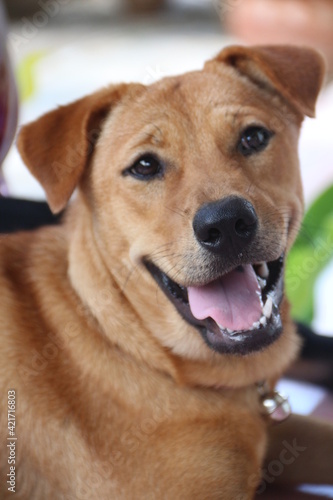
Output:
x,y
177,212
129,276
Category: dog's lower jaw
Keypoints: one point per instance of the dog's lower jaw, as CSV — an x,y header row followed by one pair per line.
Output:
x,y
199,365
243,343
265,329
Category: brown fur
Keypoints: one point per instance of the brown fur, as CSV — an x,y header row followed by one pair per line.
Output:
x,y
117,396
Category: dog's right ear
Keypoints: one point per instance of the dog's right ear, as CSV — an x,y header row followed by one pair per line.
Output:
x,y
56,147
296,73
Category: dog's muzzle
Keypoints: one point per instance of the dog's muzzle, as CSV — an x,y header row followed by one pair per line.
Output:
x,y
238,311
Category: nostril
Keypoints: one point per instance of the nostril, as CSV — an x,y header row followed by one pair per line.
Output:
x,y
242,228
213,236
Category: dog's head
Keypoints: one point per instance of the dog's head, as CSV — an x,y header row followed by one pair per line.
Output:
x,y
193,182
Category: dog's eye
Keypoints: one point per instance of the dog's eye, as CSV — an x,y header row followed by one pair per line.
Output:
x,y
145,168
253,140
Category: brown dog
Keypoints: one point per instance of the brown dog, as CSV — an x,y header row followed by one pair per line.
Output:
x,y
134,335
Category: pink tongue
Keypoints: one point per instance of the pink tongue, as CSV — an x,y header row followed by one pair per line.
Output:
x,y
232,301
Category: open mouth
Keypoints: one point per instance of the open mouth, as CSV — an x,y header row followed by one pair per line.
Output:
x,y
238,313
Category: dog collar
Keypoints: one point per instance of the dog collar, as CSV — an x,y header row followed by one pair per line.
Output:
x,y
274,405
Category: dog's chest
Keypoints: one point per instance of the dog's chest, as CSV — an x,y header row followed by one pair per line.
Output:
x,y
136,453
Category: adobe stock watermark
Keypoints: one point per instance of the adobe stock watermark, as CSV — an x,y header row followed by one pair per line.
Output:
x,y
11,440
275,468
30,27
154,73
75,155
321,253
223,7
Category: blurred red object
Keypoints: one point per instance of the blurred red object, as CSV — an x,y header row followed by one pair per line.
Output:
x,y
8,100
300,22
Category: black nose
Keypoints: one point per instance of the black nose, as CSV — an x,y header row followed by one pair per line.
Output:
x,y
227,225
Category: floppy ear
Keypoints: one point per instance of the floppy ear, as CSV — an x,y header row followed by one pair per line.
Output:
x,y
294,72
57,147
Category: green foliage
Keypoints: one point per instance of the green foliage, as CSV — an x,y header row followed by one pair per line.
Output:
x,y
310,254
26,75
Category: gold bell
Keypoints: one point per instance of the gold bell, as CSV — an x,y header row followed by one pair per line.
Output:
x,y
274,405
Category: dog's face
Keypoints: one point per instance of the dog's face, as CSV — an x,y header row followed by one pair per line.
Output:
x,y
194,186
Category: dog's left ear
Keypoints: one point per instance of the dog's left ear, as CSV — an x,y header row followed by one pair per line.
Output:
x,y
294,72
57,146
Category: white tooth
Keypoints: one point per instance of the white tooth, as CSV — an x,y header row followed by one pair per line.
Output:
x,y
260,298
263,320
263,270
230,331
267,310
256,325
262,282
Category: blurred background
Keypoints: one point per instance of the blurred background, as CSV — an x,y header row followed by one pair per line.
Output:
x,y
62,49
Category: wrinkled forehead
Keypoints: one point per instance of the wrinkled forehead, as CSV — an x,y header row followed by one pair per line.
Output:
x,y
195,101
194,93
